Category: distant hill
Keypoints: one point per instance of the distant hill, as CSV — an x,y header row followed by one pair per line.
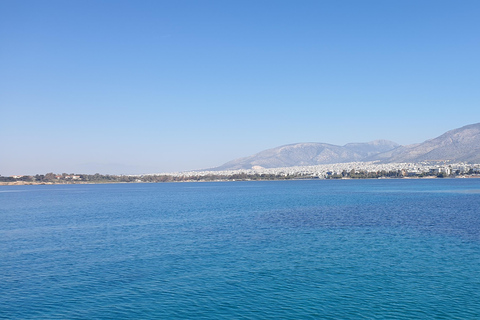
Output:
x,y
458,145
309,154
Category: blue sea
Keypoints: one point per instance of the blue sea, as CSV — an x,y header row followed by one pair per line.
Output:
x,y
318,249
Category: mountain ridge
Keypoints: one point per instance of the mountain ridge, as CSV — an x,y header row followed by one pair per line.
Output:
x,y
461,145
309,153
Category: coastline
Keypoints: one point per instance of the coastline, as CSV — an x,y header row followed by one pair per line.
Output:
x,y
37,183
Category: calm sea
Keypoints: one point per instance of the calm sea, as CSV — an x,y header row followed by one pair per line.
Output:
x,y
364,249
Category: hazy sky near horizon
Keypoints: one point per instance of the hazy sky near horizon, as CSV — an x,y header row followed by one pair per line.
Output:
x,y
159,86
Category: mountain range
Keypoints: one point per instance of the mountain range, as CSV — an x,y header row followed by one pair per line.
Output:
x,y
458,145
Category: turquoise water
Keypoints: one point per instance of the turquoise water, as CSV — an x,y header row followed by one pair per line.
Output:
x,y
357,249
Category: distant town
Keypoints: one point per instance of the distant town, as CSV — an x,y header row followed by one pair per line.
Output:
x,y
351,170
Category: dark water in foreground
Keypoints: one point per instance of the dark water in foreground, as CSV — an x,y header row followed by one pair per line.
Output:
x,y
368,249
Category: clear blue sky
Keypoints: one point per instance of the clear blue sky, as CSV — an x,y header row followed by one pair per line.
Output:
x,y
158,86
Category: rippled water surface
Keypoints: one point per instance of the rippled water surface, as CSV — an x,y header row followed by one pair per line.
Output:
x,y
366,249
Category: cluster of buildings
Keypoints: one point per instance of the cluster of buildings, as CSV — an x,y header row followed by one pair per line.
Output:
x,y
372,169
325,170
